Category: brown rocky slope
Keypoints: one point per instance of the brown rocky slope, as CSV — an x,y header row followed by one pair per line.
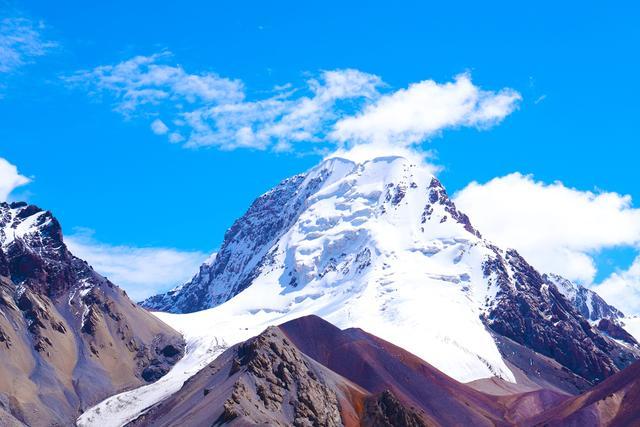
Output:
x,y
307,372
68,337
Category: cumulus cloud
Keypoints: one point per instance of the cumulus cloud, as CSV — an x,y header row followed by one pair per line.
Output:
x,y
10,179
141,271
622,289
410,115
21,42
337,108
557,228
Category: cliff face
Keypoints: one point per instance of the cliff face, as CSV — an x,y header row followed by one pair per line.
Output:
x,y
68,336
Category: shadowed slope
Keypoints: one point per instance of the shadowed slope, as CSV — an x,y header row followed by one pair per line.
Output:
x,y
614,402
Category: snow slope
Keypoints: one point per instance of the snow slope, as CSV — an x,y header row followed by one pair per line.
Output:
x,y
632,325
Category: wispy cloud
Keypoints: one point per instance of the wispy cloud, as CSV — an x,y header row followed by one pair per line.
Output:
x,y
540,99
557,228
10,179
21,41
145,81
336,108
141,271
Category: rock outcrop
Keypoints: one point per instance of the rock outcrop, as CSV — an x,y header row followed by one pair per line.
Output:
x,y
530,311
265,380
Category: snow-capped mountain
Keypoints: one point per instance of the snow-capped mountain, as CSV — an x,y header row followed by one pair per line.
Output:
x,y
590,305
68,336
380,245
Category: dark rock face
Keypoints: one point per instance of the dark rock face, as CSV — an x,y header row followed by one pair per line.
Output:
x,y
4,264
539,369
616,331
438,194
535,314
68,337
385,410
250,234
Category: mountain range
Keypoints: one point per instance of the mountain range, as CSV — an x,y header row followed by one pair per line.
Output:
x,y
393,309
381,244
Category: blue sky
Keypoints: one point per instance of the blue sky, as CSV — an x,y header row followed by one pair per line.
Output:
x,y
114,183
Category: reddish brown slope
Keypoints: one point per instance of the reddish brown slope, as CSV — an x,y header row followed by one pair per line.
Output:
x,y
308,372
614,402
267,381
377,365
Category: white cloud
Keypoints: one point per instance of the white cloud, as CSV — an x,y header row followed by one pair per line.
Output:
x,y
141,271
558,229
336,108
408,116
10,179
283,119
158,127
20,42
622,289
144,80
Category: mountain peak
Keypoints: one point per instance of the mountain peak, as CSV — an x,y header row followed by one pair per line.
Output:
x,y
29,225
357,201
67,332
